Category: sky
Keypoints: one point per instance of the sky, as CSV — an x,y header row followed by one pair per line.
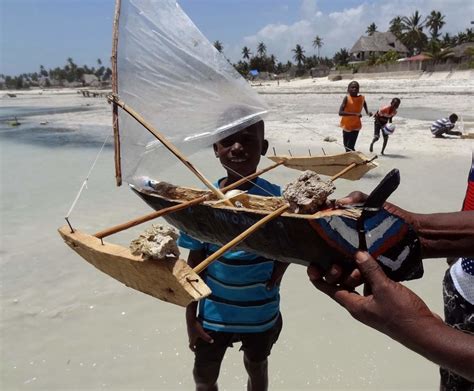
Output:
x,y
47,32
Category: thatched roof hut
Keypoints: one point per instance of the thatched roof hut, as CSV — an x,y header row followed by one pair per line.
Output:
x,y
377,44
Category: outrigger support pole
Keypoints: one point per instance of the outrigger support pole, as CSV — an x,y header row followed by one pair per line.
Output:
x,y
143,219
249,231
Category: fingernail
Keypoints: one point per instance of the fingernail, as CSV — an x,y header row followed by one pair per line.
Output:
x,y
362,256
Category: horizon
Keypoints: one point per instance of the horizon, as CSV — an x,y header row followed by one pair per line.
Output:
x,y
53,30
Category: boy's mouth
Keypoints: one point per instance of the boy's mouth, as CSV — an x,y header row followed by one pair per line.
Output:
x,y
238,160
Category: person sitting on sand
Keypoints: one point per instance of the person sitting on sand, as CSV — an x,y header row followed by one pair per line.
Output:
x,y
350,113
245,301
382,117
444,125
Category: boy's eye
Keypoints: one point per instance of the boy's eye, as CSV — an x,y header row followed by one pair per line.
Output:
x,y
227,142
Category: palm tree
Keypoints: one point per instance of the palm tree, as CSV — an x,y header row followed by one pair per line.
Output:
x,y
246,53
396,26
372,28
435,22
317,43
218,45
299,54
447,40
261,49
342,57
414,37
436,53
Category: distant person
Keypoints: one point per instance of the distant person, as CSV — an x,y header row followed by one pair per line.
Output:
x,y
444,125
382,117
350,113
245,302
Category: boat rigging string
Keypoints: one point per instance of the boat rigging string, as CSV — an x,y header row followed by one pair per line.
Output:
x,y
84,184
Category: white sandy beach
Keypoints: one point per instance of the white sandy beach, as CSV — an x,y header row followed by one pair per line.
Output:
x,y
65,325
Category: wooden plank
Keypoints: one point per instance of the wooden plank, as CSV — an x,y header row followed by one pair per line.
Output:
x,y
170,280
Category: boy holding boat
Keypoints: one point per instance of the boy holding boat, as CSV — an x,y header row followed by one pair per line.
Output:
x,y
244,305
350,113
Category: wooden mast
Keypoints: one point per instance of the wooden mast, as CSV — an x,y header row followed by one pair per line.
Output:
x,y
115,123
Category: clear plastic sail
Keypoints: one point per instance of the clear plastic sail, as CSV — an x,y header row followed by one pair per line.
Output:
x,y
177,81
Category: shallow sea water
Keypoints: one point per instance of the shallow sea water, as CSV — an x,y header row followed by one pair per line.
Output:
x,y
65,325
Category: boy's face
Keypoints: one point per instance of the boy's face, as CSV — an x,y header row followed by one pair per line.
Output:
x,y
353,89
240,152
395,104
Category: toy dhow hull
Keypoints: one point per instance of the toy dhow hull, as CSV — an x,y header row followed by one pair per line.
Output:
x,y
322,238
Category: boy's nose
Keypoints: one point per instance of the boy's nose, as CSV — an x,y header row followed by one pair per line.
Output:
x,y
237,146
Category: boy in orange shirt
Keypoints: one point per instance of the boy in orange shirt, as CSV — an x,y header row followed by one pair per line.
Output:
x,y
381,118
351,112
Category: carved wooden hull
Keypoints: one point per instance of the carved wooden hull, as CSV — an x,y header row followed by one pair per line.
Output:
x,y
322,238
330,165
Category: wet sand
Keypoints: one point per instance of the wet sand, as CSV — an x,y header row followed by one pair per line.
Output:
x,y
67,326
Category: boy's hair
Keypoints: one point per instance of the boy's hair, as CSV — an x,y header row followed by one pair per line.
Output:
x,y
396,100
453,117
353,82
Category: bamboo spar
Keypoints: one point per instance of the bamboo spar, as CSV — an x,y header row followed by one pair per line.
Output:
x,y
143,219
169,145
249,231
234,242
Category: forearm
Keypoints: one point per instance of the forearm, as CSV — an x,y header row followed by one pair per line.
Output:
x,y
441,234
446,234
191,311
449,348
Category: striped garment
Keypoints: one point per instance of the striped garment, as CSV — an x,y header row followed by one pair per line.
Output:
x,y
462,272
240,301
441,124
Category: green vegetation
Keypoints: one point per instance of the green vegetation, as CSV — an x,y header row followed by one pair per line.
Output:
x,y
419,34
69,74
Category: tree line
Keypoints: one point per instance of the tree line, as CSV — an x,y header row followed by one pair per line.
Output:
x,y
59,76
419,34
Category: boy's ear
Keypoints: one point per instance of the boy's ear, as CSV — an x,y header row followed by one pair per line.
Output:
x,y
264,147
214,146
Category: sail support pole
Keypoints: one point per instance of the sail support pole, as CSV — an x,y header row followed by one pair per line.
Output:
x,y
170,146
163,212
115,122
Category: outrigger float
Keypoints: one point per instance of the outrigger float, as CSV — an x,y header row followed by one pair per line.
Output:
x,y
173,77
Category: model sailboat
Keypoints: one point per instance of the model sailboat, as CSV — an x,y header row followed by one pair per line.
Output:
x,y
172,89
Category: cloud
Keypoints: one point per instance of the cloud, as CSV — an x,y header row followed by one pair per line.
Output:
x,y
342,27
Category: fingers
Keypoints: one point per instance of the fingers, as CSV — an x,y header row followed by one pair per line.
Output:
x,y
352,198
314,273
334,274
370,270
354,279
347,299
